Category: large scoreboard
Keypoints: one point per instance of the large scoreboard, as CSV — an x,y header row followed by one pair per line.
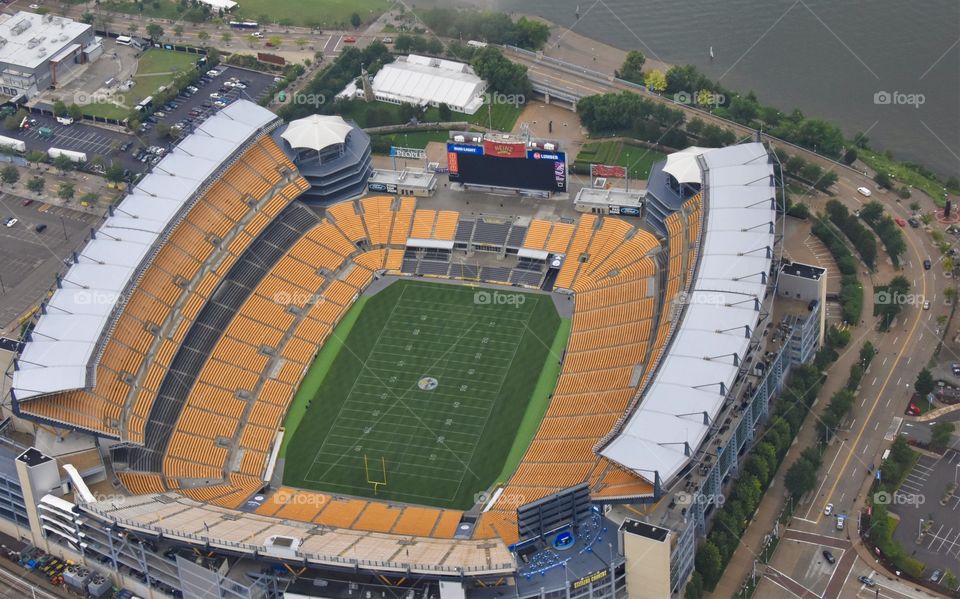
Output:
x,y
507,164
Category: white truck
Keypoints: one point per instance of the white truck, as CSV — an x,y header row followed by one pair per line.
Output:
x,y
16,145
74,156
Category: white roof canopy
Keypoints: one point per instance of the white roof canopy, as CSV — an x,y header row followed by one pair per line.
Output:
x,y
423,80
65,338
722,312
683,165
316,132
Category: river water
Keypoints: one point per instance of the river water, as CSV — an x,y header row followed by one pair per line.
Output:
x,y
832,59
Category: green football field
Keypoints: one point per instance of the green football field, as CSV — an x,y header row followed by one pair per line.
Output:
x,y
420,396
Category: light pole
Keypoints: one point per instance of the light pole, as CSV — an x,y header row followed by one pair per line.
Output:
x,y
920,528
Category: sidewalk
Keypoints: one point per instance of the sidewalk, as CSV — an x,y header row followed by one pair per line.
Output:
x,y
741,564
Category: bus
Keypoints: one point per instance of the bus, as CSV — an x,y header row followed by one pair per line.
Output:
x,y
145,105
244,24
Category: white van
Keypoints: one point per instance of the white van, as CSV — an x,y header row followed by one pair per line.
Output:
x,y
65,120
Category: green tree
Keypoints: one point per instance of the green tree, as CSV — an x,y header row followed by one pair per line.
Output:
x,y
275,41
154,32
632,67
355,20
75,112
801,477
59,108
178,31
65,191
940,434
90,198
225,37
655,80
9,175
301,42
709,564
204,37
924,383
114,174
35,184
444,112
694,587
503,75
63,164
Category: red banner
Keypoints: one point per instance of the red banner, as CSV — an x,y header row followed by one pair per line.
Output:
x,y
502,149
452,162
271,58
606,170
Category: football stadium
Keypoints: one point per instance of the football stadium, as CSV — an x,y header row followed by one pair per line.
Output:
x,y
378,396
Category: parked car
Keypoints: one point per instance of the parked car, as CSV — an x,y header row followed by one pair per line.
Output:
x,y
40,228
829,557
828,509
125,146
27,202
841,520
11,221
864,191
349,39
914,222
936,576
867,581
900,221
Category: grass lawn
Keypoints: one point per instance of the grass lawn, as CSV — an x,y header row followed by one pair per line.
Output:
x,y
637,158
156,68
310,13
106,110
903,175
502,116
414,139
362,418
162,9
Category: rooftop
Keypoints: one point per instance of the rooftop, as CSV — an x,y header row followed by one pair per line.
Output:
x,y
644,530
316,132
28,39
421,79
799,269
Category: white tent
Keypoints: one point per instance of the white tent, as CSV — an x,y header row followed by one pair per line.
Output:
x,y
422,80
316,132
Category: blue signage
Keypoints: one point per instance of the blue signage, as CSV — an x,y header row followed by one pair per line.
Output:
x,y
462,149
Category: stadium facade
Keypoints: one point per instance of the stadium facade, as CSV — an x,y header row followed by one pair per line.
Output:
x,y
185,382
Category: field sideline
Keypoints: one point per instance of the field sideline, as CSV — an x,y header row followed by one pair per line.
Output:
x,y
420,393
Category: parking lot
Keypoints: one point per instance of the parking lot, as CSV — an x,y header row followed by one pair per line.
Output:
x,y
29,259
79,137
102,141
918,498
